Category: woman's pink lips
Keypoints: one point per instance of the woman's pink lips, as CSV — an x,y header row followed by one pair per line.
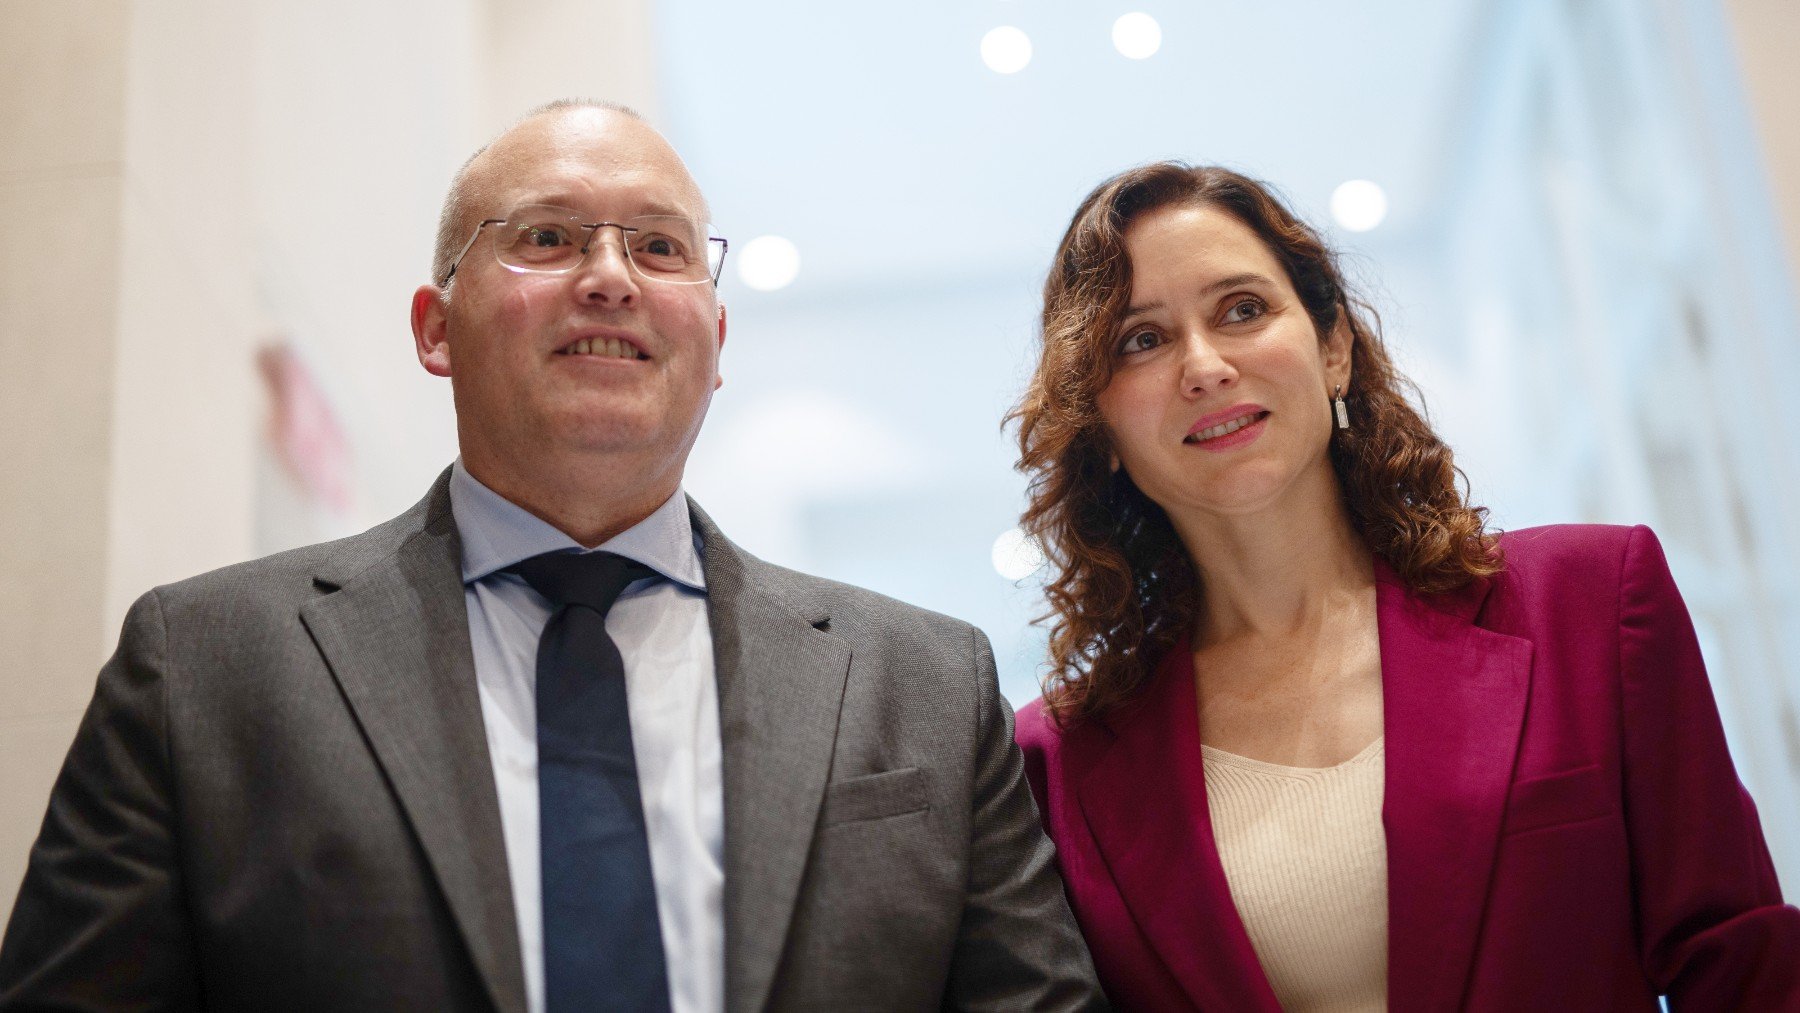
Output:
x,y
1236,411
1237,438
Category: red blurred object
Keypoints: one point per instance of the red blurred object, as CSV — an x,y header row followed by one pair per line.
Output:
x,y
303,430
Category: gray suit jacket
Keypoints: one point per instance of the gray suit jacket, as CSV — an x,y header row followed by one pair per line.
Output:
x,y
281,798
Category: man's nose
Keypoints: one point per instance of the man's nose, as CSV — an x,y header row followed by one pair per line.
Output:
x,y
605,276
1203,368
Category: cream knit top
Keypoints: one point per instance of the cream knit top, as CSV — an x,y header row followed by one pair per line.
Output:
x,y
1306,859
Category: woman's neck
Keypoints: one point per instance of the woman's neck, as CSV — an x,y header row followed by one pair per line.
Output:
x,y
1278,570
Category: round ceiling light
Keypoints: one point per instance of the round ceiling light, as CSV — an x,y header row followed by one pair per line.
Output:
x,y
1137,36
1006,50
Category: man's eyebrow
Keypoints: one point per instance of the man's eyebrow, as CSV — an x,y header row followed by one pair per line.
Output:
x,y
565,199
1232,281
661,208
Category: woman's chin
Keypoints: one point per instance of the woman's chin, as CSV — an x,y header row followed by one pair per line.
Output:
x,y
1244,493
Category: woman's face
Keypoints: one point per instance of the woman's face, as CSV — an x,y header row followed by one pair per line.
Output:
x,y
1219,403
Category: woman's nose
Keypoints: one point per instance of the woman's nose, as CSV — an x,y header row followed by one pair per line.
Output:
x,y
1203,369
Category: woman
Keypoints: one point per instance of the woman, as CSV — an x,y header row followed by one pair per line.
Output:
x,y
1313,738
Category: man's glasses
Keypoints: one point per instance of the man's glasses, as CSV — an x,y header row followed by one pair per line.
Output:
x,y
545,239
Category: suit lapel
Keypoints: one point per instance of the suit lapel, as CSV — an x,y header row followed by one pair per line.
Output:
x,y
396,637
781,683
1454,699
1144,800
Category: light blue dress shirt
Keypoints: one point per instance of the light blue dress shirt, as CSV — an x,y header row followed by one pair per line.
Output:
x,y
660,626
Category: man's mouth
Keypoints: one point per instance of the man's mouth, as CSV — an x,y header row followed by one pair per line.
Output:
x,y
1226,428
611,348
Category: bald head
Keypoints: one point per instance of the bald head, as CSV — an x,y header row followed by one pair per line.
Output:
x,y
484,186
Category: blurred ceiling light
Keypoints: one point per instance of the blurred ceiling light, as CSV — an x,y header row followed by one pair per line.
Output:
x,y
1015,555
768,263
1359,205
1005,50
1137,36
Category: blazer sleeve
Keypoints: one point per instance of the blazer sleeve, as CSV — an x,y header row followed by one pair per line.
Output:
x,y
98,923
1017,946
1713,932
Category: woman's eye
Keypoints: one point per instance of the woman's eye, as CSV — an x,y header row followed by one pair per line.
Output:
x,y
1142,341
1244,310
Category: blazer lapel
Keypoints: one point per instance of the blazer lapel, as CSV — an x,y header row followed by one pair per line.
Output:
x,y
1144,801
781,683
1454,696
395,634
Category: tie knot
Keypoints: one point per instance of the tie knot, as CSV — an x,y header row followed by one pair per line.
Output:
x,y
591,579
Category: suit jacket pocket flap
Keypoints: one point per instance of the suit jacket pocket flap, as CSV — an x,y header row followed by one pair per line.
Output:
x,y
1568,796
873,796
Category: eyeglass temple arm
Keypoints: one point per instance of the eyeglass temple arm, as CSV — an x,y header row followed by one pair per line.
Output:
x,y
460,254
724,248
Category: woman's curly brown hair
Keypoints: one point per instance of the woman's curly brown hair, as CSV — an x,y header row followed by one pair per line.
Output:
x,y
1124,589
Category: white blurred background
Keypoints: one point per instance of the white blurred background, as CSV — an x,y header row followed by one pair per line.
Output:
x,y
1579,219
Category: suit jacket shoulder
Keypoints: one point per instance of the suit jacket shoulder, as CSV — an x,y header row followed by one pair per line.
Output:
x,y
280,579
280,796
1574,581
1566,555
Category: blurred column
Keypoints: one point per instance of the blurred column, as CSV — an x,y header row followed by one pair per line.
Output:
x,y
185,404
62,179
123,300
1765,31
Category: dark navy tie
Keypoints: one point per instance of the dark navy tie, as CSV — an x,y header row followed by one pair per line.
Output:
x,y
603,946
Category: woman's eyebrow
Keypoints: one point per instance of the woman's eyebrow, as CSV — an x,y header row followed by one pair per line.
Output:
x,y
1233,281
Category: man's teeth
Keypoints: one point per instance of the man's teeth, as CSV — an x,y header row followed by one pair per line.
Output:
x,y
610,347
1223,428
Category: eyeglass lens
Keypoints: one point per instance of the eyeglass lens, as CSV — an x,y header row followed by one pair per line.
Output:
x,y
661,247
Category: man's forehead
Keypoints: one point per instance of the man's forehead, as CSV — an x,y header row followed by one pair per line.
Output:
x,y
604,158
637,192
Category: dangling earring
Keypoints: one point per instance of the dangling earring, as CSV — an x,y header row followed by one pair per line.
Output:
x,y
1342,410
1114,464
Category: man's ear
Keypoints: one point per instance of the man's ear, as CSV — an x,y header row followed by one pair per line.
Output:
x,y
719,379
431,327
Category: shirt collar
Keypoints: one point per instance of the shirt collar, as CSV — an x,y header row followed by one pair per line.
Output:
x,y
496,533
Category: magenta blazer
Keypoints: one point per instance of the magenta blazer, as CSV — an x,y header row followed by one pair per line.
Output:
x,y
1564,826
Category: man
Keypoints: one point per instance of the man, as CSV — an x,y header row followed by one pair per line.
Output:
x,y
456,762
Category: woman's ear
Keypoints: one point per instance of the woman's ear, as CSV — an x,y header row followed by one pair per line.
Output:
x,y
1338,347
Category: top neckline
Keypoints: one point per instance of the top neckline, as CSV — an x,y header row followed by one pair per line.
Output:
x,y
1215,755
